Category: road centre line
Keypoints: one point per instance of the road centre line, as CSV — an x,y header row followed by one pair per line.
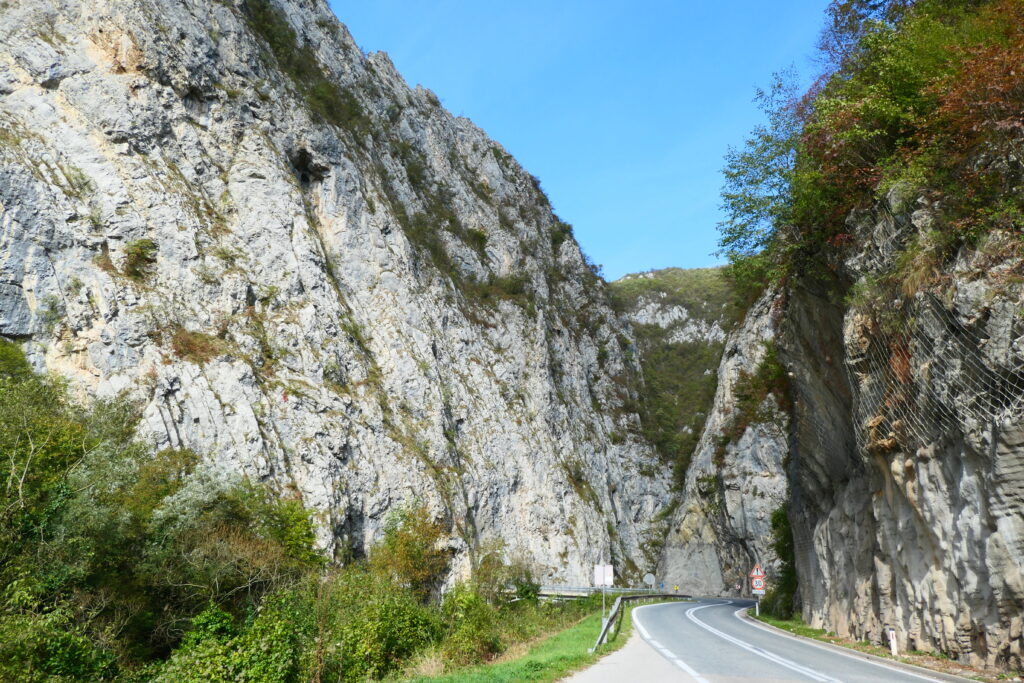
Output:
x,y
753,623
799,668
675,659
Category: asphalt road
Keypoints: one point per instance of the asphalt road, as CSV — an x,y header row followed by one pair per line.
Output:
x,y
708,642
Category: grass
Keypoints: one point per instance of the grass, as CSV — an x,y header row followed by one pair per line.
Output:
x,y
928,660
547,659
195,347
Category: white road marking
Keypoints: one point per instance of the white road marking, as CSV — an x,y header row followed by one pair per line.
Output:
x,y
793,666
750,622
663,650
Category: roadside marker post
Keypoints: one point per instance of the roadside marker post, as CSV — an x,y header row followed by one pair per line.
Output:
x,y
892,641
604,576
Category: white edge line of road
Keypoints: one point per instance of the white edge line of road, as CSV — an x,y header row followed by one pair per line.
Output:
x,y
901,667
760,652
662,650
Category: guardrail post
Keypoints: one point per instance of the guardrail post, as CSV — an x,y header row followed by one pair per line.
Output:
x,y
606,625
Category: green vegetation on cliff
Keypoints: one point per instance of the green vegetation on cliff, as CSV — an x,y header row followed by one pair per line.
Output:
x,y
924,95
680,374
120,564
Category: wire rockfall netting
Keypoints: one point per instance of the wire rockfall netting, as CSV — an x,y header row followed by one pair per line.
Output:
x,y
925,374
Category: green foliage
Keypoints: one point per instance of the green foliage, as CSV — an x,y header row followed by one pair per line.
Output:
x,y
679,388
120,563
758,177
139,257
13,365
324,97
780,601
472,628
411,552
560,232
217,649
107,549
679,378
920,94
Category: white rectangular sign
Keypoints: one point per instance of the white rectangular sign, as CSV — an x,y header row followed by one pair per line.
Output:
x,y
758,592
604,575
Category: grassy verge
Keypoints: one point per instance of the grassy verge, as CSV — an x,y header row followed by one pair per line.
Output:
x,y
923,659
548,658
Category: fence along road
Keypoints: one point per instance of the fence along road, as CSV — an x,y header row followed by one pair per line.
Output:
x,y
709,641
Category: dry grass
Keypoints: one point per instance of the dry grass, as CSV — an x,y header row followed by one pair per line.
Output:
x,y
195,347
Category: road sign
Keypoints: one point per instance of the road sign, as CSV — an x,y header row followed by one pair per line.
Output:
x,y
757,572
757,586
604,575
649,580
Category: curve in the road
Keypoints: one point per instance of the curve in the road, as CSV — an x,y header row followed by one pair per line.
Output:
x,y
705,641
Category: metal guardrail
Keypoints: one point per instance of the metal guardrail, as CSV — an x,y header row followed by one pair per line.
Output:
x,y
587,590
617,610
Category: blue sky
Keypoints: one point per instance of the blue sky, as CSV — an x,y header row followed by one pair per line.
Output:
x,y
624,110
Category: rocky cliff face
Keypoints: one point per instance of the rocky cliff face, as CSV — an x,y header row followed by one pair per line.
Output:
x,y
737,477
313,275
908,486
898,443
681,319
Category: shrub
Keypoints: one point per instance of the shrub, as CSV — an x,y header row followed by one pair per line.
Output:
x,y
560,232
366,625
472,628
195,347
139,257
781,600
217,649
13,365
411,553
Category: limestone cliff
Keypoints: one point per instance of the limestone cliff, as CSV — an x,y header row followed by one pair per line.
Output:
x,y
736,478
312,274
892,424
908,483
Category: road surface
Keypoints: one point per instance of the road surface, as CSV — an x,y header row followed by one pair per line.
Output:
x,y
707,641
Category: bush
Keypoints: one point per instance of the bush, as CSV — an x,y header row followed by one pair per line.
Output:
x,y
270,648
472,628
365,625
781,600
139,257
411,553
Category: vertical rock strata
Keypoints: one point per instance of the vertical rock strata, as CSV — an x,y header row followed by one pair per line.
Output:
x,y
908,487
737,477
900,446
311,274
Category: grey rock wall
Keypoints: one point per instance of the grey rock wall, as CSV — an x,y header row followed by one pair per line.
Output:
x,y
365,313
722,526
908,482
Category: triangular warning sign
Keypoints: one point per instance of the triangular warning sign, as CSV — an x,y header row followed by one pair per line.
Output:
x,y
757,572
